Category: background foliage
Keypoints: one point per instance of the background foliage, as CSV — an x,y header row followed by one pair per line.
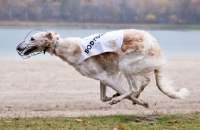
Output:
x,y
102,11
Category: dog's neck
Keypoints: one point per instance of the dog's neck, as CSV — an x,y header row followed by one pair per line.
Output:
x,y
67,49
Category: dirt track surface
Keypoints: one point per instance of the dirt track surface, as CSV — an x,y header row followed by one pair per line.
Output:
x,y
50,87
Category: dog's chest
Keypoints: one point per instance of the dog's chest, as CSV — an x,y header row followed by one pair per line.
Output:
x,y
100,43
95,70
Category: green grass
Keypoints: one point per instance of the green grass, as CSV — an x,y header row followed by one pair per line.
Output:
x,y
115,122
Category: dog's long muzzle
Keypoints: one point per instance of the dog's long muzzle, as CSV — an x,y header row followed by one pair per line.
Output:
x,y
26,51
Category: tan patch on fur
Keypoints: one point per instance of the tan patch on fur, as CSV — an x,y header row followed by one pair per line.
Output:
x,y
49,35
77,50
132,40
107,57
112,43
60,52
154,50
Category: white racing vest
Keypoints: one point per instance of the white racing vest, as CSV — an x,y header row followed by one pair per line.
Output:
x,y
100,43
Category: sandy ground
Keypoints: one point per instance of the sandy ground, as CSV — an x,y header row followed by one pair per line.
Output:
x,y
50,87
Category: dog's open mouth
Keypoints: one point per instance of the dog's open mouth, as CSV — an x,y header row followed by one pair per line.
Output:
x,y
29,50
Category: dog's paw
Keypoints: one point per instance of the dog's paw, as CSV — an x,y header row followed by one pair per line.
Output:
x,y
105,99
114,101
140,102
146,105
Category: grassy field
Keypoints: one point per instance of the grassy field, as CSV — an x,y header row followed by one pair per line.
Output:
x,y
115,122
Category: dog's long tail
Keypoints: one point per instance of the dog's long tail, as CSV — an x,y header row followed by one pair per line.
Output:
x,y
166,86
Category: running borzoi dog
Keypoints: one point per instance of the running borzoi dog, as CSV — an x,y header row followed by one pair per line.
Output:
x,y
119,59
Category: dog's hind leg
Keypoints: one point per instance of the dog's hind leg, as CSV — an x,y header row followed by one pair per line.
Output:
x,y
119,83
134,99
103,97
131,96
143,86
138,101
128,94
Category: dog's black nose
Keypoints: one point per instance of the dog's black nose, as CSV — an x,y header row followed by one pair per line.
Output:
x,y
18,48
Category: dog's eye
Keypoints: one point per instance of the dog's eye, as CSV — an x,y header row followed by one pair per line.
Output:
x,y
32,39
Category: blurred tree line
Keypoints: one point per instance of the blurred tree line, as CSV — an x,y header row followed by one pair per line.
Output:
x,y
102,11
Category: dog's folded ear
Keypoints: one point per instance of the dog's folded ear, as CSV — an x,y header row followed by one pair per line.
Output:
x,y
49,35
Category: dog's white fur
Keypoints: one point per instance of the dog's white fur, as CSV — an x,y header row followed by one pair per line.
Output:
x,y
126,72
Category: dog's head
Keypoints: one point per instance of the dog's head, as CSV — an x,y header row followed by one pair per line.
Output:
x,y
38,43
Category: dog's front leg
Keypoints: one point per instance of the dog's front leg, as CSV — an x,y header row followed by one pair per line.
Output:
x,y
119,98
103,96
